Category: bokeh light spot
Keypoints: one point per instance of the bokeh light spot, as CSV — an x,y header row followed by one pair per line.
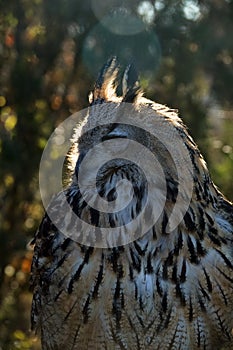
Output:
x,y
9,271
147,11
8,180
191,10
10,122
2,101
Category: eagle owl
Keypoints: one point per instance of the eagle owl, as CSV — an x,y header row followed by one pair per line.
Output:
x,y
163,289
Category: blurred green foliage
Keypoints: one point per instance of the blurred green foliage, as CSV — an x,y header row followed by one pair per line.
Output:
x,y
50,52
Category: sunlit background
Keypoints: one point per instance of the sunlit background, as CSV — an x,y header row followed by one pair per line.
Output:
x,y
50,53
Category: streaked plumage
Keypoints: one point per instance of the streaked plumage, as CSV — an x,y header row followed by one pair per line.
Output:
x,y
166,290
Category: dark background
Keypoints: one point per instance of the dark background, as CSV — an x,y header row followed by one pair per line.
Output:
x,y
50,53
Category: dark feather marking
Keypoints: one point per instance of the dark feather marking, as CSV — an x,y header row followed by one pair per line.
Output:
x,y
208,281
139,249
223,240
135,290
180,240
132,326
201,218
226,277
149,267
160,324
197,193
102,191
150,326
183,272
201,190
66,243
193,254
141,305
196,188
198,334
75,337
78,203
178,244
140,320
94,217
206,184
222,292
70,310
156,251
139,195
193,213
86,309
172,190
77,274
99,279
111,196
158,287
173,340
120,271
168,318
117,289
88,254
61,282
227,207
116,337
190,224
135,260
201,303
75,277
60,262
200,250
213,230
190,309
45,227
226,260
214,239
116,306
201,223
165,271
112,221
114,258
209,218
168,262
204,293
131,273
164,223
154,232
191,153
122,301
58,294
174,273
221,323
164,302
180,294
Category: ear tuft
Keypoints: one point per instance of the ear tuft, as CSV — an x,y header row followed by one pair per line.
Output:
x,y
105,87
106,84
130,85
